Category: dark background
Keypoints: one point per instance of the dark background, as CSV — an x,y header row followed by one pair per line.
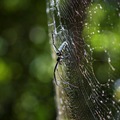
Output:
x,y
26,67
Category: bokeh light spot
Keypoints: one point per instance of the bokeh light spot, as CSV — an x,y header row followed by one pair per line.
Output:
x,y
5,71
26,104
37,35
41,68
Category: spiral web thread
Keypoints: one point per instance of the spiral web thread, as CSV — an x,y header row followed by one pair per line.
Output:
x,y
86,97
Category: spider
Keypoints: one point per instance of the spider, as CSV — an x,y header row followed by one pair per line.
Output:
x,y
59,56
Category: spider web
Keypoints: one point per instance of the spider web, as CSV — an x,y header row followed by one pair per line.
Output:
x,y
91,67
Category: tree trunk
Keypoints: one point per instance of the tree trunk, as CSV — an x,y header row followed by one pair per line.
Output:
x,y
81,92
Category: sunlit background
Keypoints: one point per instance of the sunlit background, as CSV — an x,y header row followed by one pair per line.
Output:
x,y
26,69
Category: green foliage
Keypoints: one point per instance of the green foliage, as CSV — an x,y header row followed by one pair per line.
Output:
x,y
26,91
101,32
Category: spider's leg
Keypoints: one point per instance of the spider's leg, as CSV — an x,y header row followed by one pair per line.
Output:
x,y
64,82
55,68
